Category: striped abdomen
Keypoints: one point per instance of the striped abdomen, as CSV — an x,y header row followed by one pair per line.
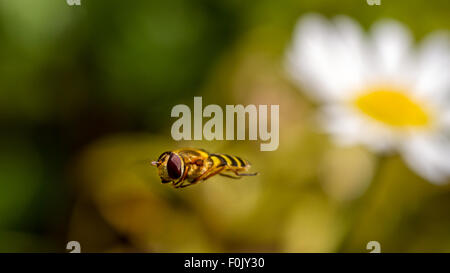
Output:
x,y
230,161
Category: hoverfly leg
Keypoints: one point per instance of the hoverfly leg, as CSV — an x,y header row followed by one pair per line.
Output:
x,y
189,183
209,173
230,176
246,174
180,181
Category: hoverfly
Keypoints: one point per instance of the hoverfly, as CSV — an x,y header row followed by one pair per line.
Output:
x,y
185,167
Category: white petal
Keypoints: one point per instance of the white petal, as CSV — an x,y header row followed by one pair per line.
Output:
x,y
327,60
445,120
351,54
307,59
433,68
429,157
350,128
341,124
391,51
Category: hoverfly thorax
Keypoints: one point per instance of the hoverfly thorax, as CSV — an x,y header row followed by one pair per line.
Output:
x,y
170,166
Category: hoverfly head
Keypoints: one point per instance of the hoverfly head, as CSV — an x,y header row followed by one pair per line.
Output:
x,y
170,166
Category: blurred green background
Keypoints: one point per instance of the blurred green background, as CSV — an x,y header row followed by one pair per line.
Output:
x,y
85,99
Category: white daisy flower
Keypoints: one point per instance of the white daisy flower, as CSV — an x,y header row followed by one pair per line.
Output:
x,y
378,90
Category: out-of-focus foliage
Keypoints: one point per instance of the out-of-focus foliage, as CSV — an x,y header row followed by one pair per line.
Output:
x,y
85,100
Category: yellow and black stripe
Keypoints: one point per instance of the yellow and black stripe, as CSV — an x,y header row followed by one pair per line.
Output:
x,y
229,161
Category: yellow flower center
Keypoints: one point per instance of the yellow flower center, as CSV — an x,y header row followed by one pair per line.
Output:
x,y
394,108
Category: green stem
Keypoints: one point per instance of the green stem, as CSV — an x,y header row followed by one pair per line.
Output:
x,y
366,202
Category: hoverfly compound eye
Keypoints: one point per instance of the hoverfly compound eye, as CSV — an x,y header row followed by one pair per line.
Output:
x,y
174,166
